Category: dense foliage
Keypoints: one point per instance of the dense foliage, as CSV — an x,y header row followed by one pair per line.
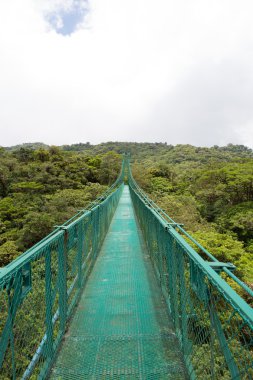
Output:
x,y
210,190
40,188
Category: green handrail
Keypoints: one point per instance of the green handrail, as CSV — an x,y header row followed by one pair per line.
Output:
x,y
213,323
39,289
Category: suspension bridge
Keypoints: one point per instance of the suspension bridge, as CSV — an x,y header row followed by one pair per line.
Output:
x,y
120,292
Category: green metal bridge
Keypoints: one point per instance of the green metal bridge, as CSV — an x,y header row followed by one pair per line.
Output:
x,y
119,292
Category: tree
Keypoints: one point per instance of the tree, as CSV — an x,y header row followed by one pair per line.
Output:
x,y
109,168
227,249
36,226
8,252
238,219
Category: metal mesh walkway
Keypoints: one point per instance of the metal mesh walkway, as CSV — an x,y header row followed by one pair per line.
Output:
x,y
121,329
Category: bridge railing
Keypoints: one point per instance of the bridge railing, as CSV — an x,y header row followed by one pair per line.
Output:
x,y
39,290
213,323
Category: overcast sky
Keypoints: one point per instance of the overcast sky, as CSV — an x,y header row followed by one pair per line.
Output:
x,y
179,71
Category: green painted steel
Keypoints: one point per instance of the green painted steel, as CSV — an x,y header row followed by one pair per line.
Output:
x,y
39,290
121,329
213,323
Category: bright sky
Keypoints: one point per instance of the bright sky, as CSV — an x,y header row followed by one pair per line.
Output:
x,y
178,71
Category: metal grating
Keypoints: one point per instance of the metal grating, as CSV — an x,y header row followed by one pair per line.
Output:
x,y
121,329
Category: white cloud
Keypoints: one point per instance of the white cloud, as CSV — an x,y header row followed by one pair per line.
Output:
x,y
174,71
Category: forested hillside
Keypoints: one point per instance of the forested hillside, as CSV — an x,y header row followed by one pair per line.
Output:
x,y
40,188
210,190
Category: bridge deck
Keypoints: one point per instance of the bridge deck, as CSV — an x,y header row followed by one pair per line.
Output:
x,y
120,329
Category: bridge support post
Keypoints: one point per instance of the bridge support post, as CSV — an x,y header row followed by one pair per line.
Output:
x,y
62,267
224,346
48,301
183,302
80,247
174,287
95,220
